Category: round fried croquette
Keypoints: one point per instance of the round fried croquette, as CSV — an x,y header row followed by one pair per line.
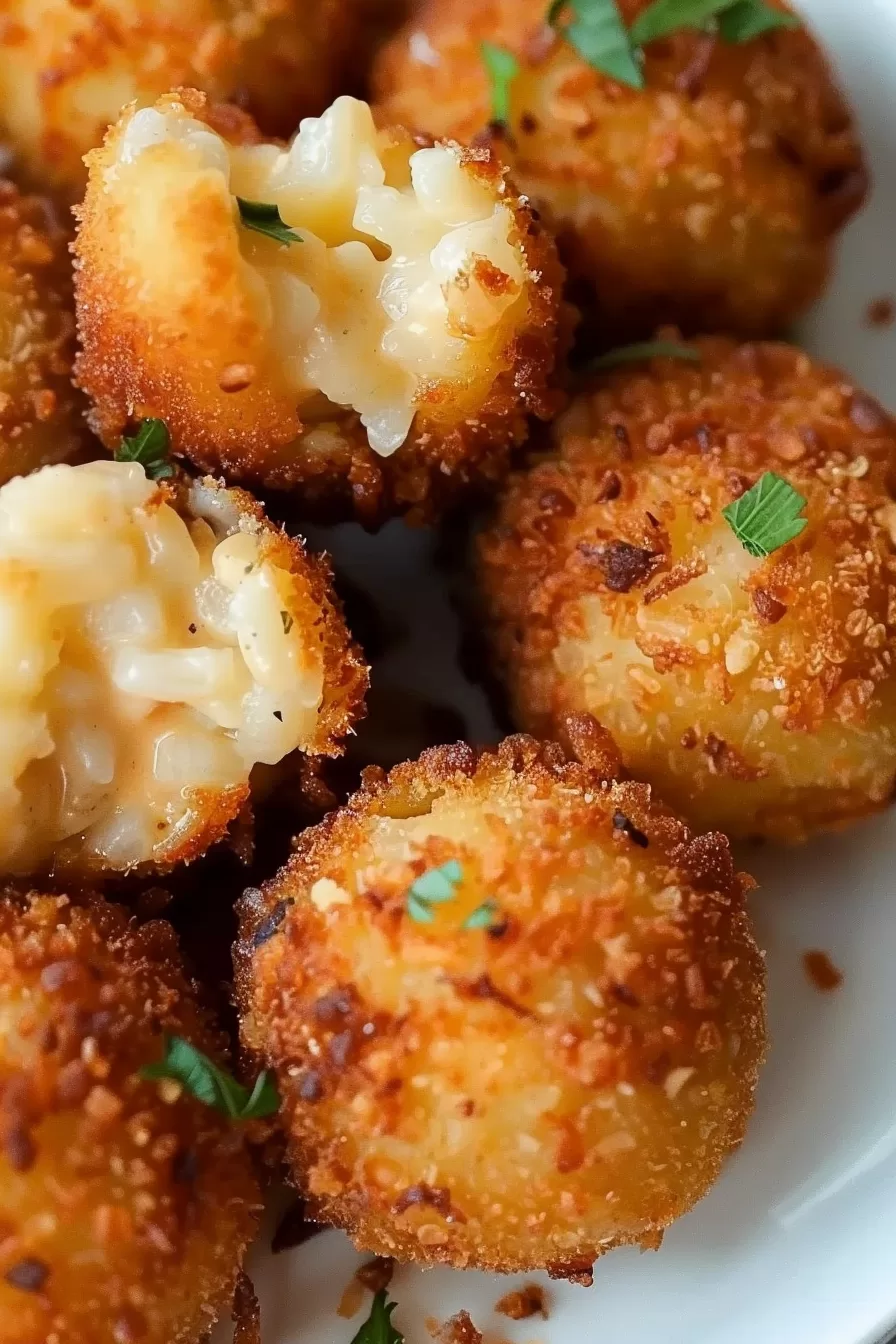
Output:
x,y
159,641
125,1205
68,67
41,414
514,1007
384,355
757,695
711,197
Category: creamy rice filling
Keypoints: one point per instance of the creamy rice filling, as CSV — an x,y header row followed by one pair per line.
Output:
x,y
148,660
404,273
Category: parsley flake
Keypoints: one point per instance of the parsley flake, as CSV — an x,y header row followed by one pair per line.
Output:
x,y
667,16
264,218
214,1087
288,622
433,888
746,19
643,350
483,917
766,516
502,68
150,446
378,1328
598,34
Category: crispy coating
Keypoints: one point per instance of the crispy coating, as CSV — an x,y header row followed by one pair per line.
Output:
x,y
711,198
758,696
171,326
523,1096
125,1205
68,67
41,414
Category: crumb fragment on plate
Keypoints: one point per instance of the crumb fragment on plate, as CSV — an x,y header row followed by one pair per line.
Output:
x,y
458,1330
374,1275
822,972
519,1305
881,311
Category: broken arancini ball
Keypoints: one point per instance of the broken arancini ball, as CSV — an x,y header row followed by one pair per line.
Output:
x,y
710,197
41,414
126,1205
756,692
67,67
515,1009
354,318
157,643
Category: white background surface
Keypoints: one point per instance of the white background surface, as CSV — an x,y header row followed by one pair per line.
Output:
x,y
797,1243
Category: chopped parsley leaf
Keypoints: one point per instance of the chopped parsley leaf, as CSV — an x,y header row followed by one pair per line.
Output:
x,y
643,350
378,1328
150,446
433,888
502,68
213,1086
766,516
264,218
483,917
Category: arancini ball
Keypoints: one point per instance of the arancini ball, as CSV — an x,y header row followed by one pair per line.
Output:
x,y
67,67
354,318
126,1206
514,1007
757,694
711,197
41,414
158,641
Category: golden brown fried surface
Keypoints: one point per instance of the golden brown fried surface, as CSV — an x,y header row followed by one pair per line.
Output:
x,y
68,67
710,198
525,1095
41,414
263,359
125,1207
758,696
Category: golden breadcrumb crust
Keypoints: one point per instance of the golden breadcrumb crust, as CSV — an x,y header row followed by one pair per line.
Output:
x,y
757,696
174,362
41,414
67,67
126,1206
523,1096
317,611
710,198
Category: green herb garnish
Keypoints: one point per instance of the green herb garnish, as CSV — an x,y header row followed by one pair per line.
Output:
x,y
642,350
598,34
287,620
746,19
378,1328
150,446
202,1078
766,516
502,68
483,917
433,888
264,218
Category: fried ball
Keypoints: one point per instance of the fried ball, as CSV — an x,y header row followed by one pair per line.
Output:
x,y
711,197
515,1008
157,643
757,695
41,414
125,1205
68,67
389,355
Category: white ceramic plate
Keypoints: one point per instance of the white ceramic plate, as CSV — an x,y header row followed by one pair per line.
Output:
x,y
797,1242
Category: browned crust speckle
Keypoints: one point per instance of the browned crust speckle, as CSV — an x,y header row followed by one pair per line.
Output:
x,y
41,414
137,1204
761,699
355,1005
709,198
254,433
